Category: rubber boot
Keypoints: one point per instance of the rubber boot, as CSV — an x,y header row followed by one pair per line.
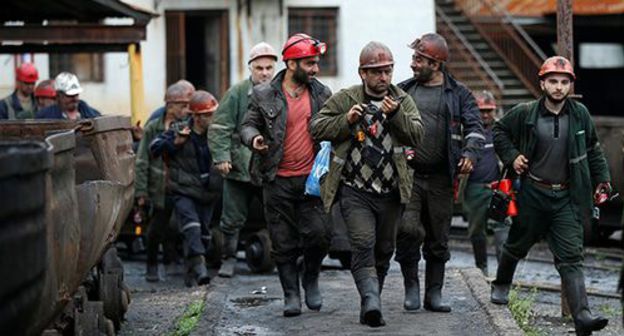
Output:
x,y
309,281
434,280
412,287
196,273
500,237
584,322
479,247
370,306
152,273
228,265
502,283
289,277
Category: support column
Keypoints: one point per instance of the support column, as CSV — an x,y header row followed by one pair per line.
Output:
x,y
137,95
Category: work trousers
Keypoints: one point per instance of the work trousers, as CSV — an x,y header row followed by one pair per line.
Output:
x,y
549,214
475,204
427,221
372,222
160,231
237,197
296,222
194,221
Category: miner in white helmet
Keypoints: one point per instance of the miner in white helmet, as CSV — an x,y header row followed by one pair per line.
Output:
x,y
68,104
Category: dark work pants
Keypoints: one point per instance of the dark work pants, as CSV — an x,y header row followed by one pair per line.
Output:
x,y
297,223
427,220
194,221
372,222
237,197
547,213
159,232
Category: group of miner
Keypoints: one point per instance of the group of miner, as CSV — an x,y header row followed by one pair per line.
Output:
x,y
397,152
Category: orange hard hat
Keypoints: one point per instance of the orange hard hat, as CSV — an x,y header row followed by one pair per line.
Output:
x,y
432,46
26,73
302,46
203,102
45,89
485,100
557,64
375,55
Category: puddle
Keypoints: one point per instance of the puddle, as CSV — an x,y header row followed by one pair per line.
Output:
x,y
252,301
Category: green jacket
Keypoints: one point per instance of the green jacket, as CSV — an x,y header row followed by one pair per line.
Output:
x,y
224,135
330,124
150,171
514,134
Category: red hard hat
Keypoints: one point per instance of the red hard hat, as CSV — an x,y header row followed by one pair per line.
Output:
x,y
557,64
432,46
375,55
302,46
203,102
485,100
26,73
45,89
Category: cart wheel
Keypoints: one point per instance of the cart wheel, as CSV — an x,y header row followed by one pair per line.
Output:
x,y
258,252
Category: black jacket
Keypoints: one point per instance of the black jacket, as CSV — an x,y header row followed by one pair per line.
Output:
x,y
267,117
465,130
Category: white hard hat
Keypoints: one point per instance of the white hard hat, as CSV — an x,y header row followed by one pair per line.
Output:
x,y
261,49
67,83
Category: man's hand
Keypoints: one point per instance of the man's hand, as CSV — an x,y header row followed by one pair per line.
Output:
x,y
182,136
259,145
602,192
465,165
520,164
141,201
354,114
389,105
137,131
224,167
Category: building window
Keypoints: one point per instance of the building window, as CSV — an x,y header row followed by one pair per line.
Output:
x,y
89,67
320,23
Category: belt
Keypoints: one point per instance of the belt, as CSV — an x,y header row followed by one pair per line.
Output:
x,y
543,184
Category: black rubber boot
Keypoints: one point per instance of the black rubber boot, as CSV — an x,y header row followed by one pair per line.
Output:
x,y
196,272
584,322
434,280
479,247
152,273
502,283
309,281
228,264
412,287
289,277
370,306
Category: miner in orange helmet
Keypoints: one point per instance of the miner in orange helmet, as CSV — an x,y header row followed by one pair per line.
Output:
x,y
232,157
452,145
368,126
552,145
276,130
45,94
21,104
191,184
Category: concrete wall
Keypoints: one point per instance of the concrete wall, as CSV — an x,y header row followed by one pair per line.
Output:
x,y
393,22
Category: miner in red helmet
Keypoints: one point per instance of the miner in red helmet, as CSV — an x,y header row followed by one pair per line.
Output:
x,y
452,146
276,129
21,104
368,125
551,143
45,94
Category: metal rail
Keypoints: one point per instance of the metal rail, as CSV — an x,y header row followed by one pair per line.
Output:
x,y
469,47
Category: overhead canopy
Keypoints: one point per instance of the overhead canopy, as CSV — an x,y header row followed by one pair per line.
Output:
x,y
69,26
579,7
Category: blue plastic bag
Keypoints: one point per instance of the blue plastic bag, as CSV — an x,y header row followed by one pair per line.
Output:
x,y
319,168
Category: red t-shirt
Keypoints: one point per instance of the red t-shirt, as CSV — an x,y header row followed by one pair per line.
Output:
x,y
298,146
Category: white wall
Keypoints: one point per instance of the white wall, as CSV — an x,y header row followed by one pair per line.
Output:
x,y
393,22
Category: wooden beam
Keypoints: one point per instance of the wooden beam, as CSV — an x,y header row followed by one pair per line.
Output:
x,y
137,97
71,34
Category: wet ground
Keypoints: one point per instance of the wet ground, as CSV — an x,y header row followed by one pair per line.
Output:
x,y
252,304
